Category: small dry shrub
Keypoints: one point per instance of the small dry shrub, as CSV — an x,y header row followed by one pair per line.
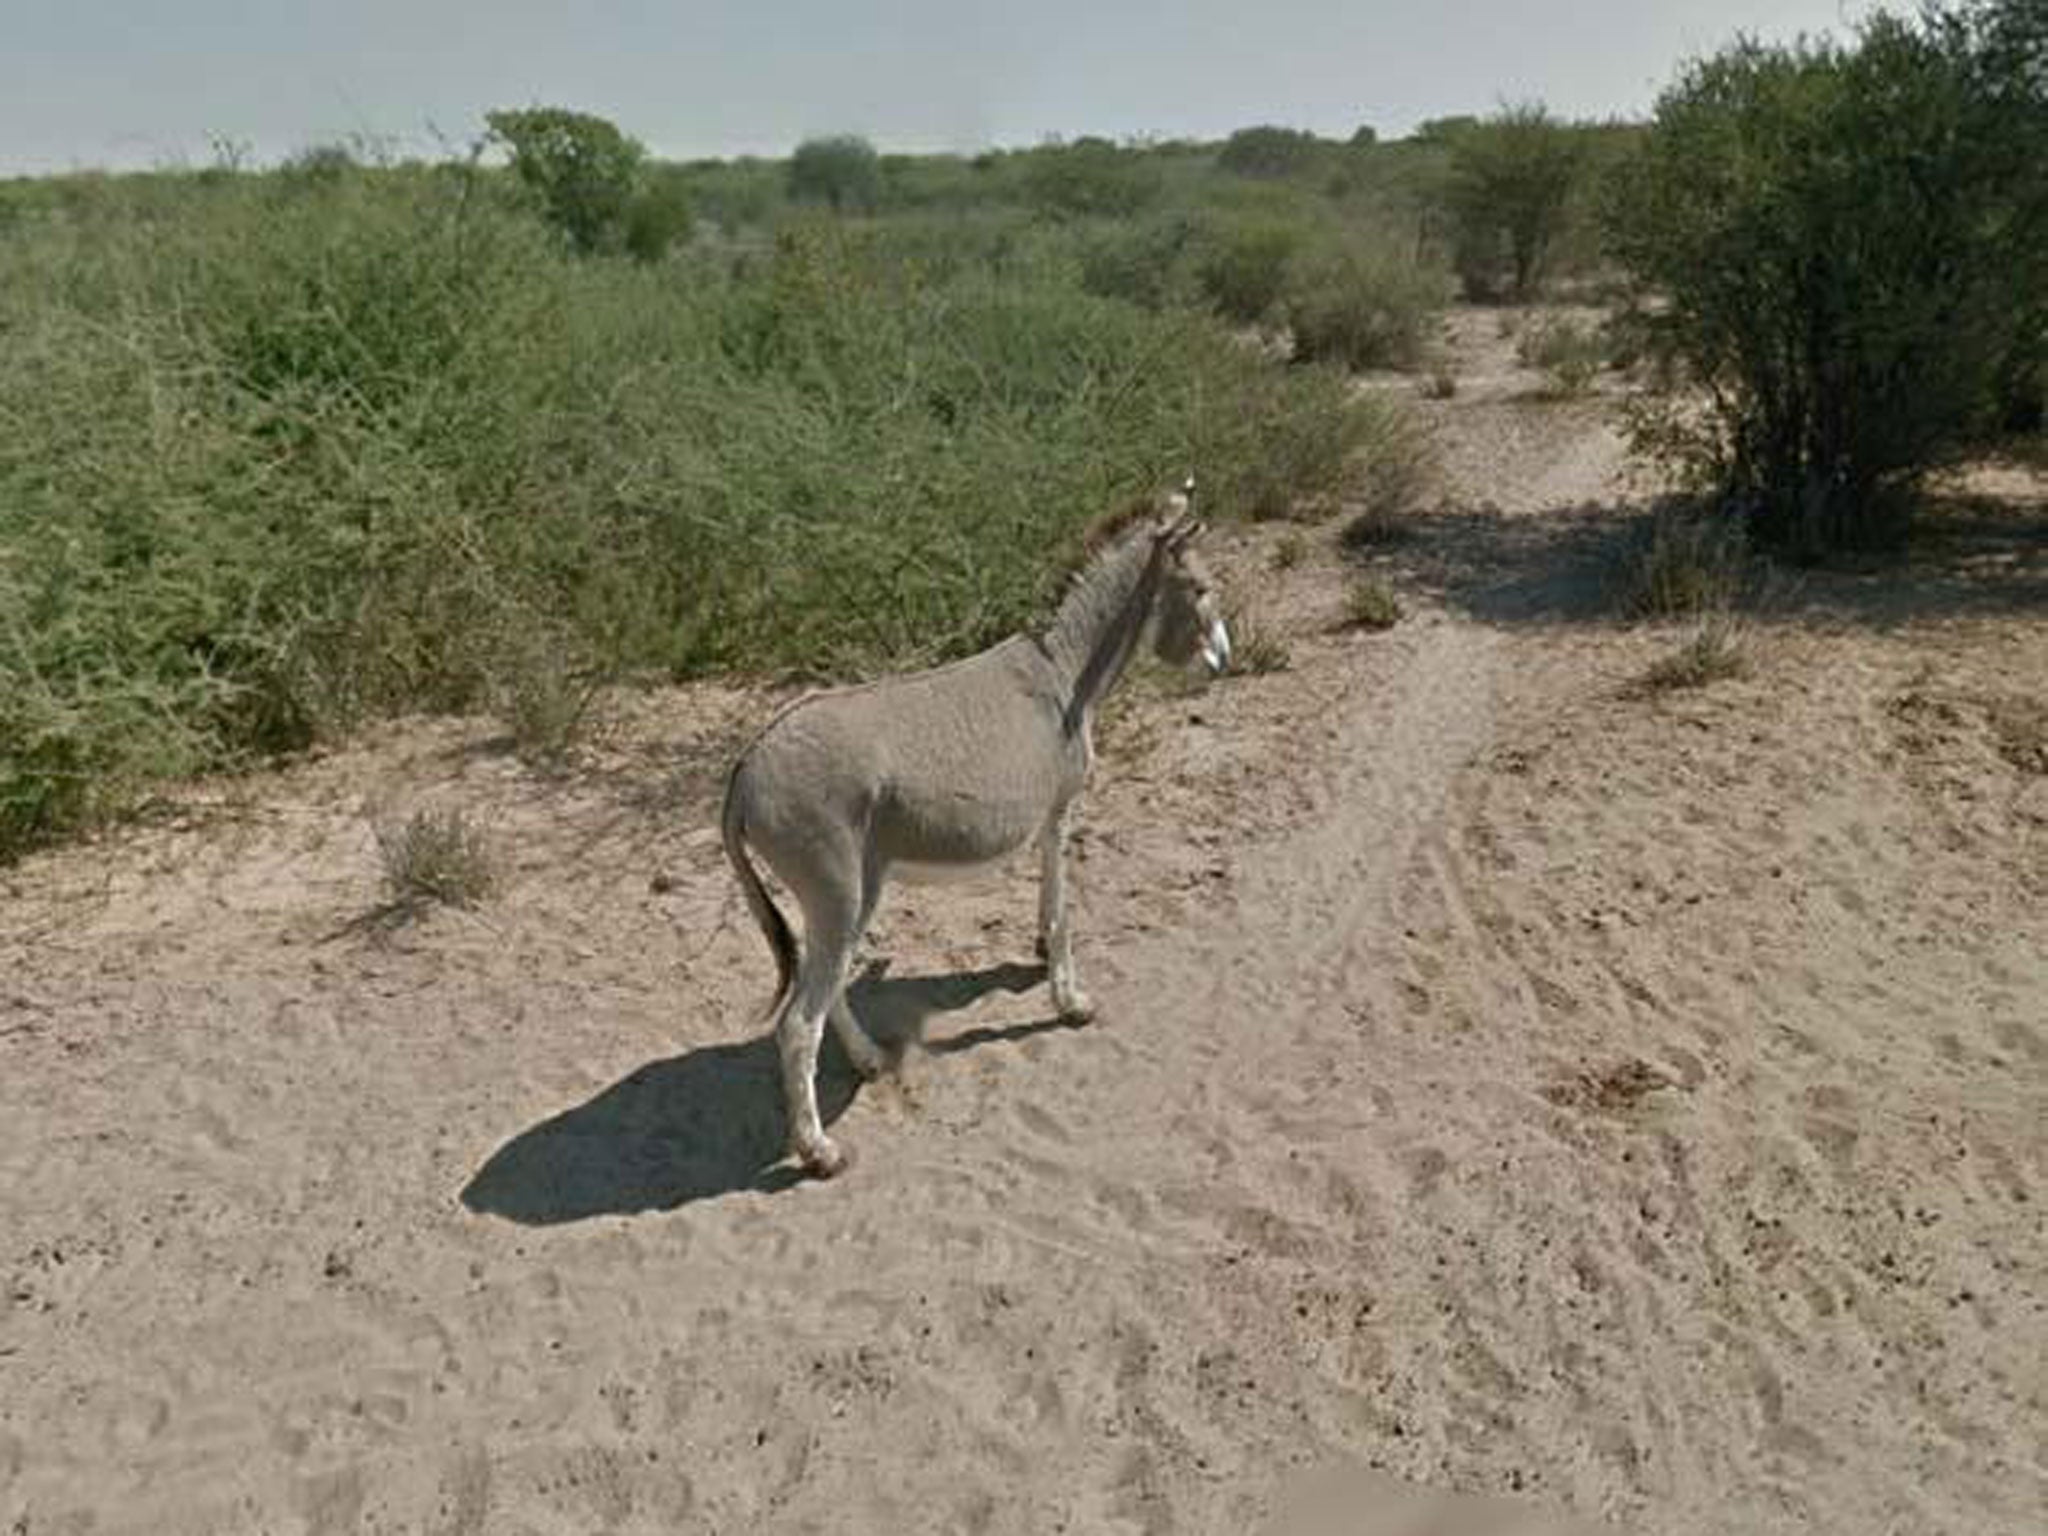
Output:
x,y
1289,552
1682,561
436,857
1717,649
1255,648
1571,353
1371,604
545,694
1403,468
1442,383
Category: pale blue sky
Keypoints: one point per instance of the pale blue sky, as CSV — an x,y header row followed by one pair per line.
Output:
x,y
146,82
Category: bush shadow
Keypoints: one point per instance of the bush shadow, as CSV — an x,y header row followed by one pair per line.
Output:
x,y
1966,557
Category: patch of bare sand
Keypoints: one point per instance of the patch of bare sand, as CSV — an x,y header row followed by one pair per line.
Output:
x,y
1625,1109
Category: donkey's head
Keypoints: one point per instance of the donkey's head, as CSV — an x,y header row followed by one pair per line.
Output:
x,y
1188,616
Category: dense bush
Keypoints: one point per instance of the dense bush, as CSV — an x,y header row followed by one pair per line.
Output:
x,y
1513,176
1145,261
844,173
2005,45
1361,301
1846,236
588,178
1090,177
1269,151
276,455
1244,263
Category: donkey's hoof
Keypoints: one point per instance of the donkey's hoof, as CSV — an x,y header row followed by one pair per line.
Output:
x,y
827,1160
1075,1008
870,1064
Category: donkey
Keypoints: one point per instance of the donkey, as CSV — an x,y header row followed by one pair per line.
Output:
x,y
940,772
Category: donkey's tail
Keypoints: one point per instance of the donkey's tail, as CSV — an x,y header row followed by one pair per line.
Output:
x,y
773,925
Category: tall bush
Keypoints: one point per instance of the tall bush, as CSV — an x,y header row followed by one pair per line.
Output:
x,y
1244,263
1360,301
1512,181
584,171
1845,236
1090,177
1268,151
844,173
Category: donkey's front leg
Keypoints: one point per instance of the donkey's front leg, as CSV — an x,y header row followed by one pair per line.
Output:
x,y
1055,937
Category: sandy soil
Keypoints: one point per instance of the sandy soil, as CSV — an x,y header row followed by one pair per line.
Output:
x,y
1630,1109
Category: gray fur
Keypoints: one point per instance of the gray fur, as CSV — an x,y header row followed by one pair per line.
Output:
x,y
943,771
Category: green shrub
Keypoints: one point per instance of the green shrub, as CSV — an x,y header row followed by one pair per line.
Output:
x,y
1143,261
583,170
1362,303
843,173
1513,176
1244,262
1091,177
658,218
1267,151
318,163
1845,236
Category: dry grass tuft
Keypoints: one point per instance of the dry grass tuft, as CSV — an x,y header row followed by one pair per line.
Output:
x,y
1255,647
436,858
1572,354
1682,562
1371,604
1718,649
1404,471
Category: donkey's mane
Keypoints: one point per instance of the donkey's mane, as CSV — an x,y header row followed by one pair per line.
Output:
x,y
1112,526
1104,578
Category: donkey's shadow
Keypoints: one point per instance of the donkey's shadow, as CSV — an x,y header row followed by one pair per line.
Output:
x,y
711,1122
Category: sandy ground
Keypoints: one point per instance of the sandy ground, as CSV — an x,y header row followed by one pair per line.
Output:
x,y
1507,1084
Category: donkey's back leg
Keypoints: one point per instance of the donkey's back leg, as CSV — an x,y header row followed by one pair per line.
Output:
x,y
868,1058
831,900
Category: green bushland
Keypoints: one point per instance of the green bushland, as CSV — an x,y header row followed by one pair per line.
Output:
x,y
1851,243
283,452
1218,225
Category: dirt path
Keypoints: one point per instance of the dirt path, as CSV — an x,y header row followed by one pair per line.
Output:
x,y
1624,1108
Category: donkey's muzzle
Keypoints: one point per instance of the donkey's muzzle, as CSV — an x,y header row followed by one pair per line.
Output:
x,y
1216,647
